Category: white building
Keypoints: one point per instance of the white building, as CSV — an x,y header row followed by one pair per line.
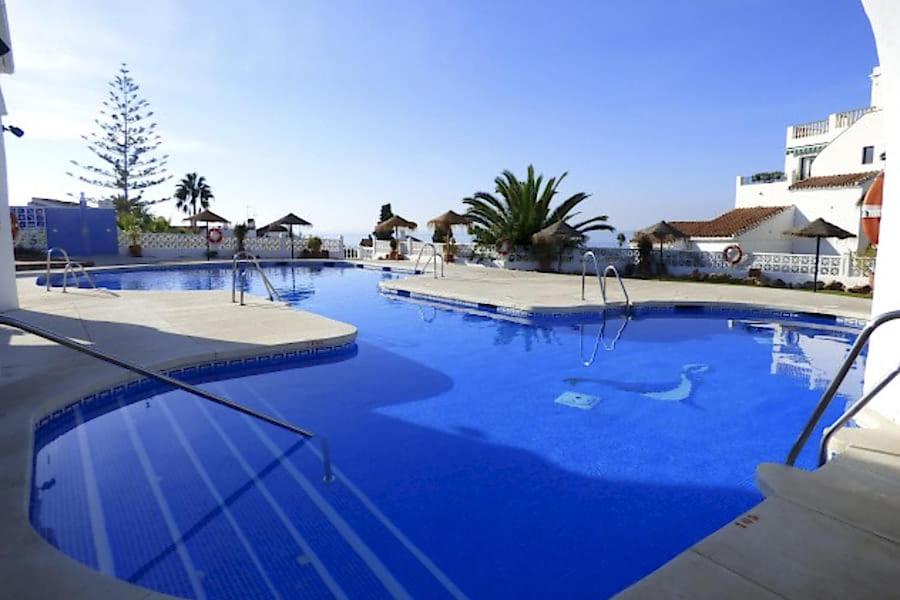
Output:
x,y
828,166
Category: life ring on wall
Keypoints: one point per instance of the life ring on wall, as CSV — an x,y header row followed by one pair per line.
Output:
x,y
871,209
733,254
504,247
214,236
14,225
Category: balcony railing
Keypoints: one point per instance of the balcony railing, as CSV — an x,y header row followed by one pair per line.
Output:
x,y
849,117
762,178
811,129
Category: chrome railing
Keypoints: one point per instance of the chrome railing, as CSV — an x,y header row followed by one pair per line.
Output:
x,y
829,394
75,268
239,260
168,380
601,279
434,257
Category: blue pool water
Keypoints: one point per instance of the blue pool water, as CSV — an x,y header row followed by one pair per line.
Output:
x,y
474,456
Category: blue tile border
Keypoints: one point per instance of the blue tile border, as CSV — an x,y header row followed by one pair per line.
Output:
x,y
144,387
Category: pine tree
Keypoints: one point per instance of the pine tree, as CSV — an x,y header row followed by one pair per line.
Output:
x,y
127,142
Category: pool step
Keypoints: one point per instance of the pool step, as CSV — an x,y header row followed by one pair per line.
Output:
x,y
830,533
781,549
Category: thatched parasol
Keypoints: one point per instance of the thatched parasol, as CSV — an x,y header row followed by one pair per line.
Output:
x,y
290,220
662,232
559,231
206,216
820,228
274,227
447,220
394,223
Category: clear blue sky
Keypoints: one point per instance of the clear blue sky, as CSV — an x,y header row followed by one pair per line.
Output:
x,y
331,108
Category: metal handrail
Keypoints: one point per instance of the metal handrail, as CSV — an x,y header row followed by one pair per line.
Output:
x,y
601,279
245,257
70,267
434,256
829,394
162,377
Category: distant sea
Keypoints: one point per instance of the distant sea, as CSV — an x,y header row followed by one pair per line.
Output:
x,y
596,239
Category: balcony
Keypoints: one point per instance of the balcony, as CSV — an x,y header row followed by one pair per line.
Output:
x,y
834,123
758,178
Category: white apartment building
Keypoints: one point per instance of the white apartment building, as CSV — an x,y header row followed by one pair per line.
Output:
x,y
828,166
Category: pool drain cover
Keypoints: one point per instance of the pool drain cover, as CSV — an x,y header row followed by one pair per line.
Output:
x,y
576,400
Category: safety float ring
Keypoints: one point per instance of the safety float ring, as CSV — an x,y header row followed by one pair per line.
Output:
x,y
504,247
871,209
733,254
214,236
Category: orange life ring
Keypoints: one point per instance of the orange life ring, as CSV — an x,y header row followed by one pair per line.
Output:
x,y
871,209
214,236
733,254
504,247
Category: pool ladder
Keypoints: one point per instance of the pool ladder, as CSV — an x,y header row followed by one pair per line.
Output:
x,y
75,268
328,475
434,257
829,394
601,279
241,259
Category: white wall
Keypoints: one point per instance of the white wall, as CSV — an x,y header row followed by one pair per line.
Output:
x,y
835,205
761,194
844,153
884,15
9,298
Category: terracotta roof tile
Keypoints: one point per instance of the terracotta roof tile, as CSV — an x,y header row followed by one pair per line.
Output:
x,y
729,224
834,181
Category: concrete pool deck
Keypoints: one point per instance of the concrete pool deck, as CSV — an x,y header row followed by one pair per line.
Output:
x,y
157,330
555,293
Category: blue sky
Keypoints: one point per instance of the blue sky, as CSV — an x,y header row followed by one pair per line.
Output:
x,y
331,108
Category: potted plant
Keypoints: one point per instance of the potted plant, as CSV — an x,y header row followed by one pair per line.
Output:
x,y
131,227
240,234
314,248
394,255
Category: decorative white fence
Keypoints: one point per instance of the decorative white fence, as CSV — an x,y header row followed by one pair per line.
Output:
x,y
193,245
849,269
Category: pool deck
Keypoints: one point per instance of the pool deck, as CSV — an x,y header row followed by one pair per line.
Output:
x,y
553,293
158,330
830,533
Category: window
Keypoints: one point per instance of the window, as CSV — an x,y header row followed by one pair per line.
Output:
x,y
805,166
868,155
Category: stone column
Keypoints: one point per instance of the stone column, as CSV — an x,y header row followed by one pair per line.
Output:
x,y
884,352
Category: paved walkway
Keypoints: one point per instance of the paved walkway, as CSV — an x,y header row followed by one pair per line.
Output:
x,y
154,329
550,292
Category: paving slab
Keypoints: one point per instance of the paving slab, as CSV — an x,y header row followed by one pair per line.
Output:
x,y
554,292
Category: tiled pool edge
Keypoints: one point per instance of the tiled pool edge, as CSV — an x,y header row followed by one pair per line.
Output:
x,y
639,308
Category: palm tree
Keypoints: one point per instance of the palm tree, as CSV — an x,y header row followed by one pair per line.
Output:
x,y
523,208
621,239
192,191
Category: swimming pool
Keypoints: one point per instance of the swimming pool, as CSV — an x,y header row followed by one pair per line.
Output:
x,y
474,456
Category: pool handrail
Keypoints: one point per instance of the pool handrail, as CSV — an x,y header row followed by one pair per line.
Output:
x,y
833,387
157,375
164,378
601,279
70,267
245,257
434,257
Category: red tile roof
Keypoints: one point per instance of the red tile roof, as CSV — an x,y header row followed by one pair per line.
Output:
x,y
728,224
834,181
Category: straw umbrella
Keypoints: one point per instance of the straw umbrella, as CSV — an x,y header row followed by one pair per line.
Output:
x,y
662,232
820,228
558,233
448,220
275,227
206,216
393,224
290,220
